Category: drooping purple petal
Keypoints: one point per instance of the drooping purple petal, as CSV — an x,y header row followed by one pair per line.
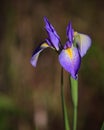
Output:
x,y
36,53
84,43
70,34
53,36
70,60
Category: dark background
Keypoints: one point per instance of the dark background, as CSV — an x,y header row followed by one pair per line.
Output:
x,y
30,98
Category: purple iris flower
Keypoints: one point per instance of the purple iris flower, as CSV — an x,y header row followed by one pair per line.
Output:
x,y
70,54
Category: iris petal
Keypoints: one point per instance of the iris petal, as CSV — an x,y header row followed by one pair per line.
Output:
x,y
36,53
84,42
70,60
70,33
53,36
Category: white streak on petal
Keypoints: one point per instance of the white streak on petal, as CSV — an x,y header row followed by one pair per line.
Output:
x,y
84,43
37,52
34,59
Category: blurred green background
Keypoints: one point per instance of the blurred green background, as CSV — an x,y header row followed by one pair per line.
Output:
x,y
30,98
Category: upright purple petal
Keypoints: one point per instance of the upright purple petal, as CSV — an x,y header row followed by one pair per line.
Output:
x,y
70,60
84,42
53,36
70,34
36,53
67,45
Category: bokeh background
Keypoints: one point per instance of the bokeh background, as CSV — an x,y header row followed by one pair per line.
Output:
x,y
30,97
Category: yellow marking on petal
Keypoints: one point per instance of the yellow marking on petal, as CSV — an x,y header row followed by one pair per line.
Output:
x,y
75,33
69,52
45,45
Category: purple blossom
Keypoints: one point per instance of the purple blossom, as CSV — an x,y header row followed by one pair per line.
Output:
x,y
70,54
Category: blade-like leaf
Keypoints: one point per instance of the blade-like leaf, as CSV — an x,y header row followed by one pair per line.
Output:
x,y
102,128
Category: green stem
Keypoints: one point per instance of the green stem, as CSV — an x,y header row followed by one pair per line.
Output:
x,y
64,109
74,93
75,119
62,96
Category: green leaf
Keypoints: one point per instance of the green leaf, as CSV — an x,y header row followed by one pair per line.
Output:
x,y
102,128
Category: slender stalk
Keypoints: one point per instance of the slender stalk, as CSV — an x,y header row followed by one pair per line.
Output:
x,y
62,95
74,93
75,119
64,109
